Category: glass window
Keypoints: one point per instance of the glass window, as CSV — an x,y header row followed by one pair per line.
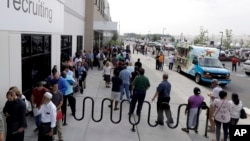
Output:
x,y
79,43
26,43
66,47
36,61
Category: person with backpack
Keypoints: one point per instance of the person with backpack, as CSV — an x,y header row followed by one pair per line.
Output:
x,y
236,106
101,57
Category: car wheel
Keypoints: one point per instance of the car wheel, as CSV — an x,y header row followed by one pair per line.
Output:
x,y
179,69
198,78
247,73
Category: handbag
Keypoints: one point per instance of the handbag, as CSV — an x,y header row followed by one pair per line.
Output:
x,y
203,105
218,110
243,114
59,115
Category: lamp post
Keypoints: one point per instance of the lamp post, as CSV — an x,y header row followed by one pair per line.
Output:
x,y
221,41
163,30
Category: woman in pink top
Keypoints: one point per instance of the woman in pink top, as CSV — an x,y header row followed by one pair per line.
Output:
x,y
194,102
221,115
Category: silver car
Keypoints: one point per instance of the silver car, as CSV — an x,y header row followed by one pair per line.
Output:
x,y
246,67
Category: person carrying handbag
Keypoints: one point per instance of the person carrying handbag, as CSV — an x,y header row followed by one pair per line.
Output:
x,y
221,115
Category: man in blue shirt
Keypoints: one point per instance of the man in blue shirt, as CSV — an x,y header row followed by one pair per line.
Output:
x,y
163,94
68,96
125,75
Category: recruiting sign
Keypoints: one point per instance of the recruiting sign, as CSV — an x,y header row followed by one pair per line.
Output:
x,y
32,15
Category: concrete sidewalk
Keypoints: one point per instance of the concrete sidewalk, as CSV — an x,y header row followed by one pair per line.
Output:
x,y
105,130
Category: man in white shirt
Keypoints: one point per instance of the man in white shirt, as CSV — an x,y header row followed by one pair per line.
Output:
x,y
171,61
48,118
214,95
101,57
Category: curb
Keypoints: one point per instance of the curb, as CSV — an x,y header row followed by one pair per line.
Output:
x,y
247,110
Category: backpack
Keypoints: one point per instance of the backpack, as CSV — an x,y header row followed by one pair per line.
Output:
x,y
101,57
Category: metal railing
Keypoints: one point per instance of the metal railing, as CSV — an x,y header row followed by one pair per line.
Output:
x,y
172,126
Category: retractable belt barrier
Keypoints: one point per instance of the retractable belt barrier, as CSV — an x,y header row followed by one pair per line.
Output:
x,y
139,117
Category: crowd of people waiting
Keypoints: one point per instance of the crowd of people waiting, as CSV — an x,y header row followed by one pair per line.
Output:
x,y
49,103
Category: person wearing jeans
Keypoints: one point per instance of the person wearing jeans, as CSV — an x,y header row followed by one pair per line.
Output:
x,y
221,115
139,87
125,75
163,94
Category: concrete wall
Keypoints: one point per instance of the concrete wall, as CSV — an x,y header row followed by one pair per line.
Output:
x,y
10,42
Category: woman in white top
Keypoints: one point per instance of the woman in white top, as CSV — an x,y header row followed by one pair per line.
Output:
x,y
107,73
221,115
236,106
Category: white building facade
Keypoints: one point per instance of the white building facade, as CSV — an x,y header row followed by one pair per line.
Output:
x,y
34,36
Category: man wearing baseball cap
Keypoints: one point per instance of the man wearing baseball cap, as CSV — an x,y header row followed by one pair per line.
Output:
x,y
48,118
213,95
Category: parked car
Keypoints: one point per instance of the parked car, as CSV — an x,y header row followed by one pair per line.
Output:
x,y
246,67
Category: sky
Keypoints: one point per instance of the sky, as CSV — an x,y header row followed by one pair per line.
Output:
x,y
181,16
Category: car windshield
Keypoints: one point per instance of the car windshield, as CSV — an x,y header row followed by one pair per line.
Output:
x,y
210,62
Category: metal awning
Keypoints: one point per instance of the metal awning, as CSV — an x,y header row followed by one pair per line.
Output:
x,y
105,26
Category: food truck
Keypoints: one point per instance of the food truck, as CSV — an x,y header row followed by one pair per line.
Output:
x,y
202,63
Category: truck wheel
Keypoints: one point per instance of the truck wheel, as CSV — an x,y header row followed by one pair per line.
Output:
x,y
179,69
223,85
198,78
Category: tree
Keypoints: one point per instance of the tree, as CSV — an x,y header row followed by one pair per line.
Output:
x,y
155,38
115,36
172,39
241,42
228,39
201,39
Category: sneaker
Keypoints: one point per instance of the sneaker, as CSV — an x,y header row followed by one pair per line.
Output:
x,y
116,109
185,130
160,123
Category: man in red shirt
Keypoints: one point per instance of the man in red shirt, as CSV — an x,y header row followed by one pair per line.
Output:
x,y
36,99
234,63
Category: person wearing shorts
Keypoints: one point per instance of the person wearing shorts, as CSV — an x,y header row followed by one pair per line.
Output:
x,y
115,91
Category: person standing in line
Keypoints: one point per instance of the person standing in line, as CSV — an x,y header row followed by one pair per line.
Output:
x,y
161,61
194,102
107,74
101,57
234,63
86,66
57,99
115,92
157,61
171,61
237,105
163,93
221,115
48,118
139,87
36,100
125,75
90,59
138,63
133,75
82,73
1,128
15,110
68,96
214,95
